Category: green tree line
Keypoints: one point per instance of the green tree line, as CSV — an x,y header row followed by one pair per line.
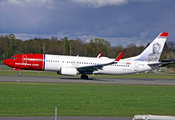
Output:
x,y
10,46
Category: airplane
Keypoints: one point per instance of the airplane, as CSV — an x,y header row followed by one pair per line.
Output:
x,y
73,65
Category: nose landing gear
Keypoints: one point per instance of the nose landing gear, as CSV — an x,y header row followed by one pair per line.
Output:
x,y
19,74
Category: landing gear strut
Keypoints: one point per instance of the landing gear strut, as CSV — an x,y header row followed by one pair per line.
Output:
x,y
84,76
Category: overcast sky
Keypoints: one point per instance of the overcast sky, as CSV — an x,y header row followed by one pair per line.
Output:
x,y
120,22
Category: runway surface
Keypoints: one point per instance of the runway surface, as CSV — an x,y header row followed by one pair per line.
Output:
x,y
78,80
91,80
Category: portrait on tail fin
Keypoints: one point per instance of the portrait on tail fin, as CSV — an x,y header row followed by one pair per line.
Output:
x,y
155,55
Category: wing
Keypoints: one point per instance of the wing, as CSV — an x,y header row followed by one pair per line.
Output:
x,y
92,68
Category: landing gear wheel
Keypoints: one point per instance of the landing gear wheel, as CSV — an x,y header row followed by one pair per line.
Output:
x,y
84,76
19,74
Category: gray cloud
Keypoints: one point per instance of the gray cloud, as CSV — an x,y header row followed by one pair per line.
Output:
x,y
100,3
26,3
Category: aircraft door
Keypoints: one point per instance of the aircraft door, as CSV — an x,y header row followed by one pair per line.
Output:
x,y
24,59
136,66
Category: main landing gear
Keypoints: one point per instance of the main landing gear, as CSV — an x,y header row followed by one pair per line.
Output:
x,y
84,76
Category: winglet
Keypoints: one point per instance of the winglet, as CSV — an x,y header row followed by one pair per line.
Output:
x,y
118,57
99,55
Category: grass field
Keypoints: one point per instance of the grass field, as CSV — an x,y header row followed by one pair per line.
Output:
x,y
39,99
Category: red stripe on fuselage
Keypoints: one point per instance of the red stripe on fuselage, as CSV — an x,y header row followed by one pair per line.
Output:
x,y
27,61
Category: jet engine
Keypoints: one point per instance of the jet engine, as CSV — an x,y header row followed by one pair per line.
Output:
x,y
68,71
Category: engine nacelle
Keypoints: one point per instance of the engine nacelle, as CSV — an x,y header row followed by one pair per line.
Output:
x,y
68,71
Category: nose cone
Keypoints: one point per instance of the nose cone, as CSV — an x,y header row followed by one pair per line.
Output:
x,y
5,62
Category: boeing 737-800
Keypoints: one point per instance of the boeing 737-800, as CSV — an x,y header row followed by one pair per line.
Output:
x,y
73,65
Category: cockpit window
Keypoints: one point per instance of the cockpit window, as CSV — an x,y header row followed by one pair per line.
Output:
x,y
14,58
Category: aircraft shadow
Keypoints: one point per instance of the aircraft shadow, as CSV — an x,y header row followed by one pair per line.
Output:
x,y
90,79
